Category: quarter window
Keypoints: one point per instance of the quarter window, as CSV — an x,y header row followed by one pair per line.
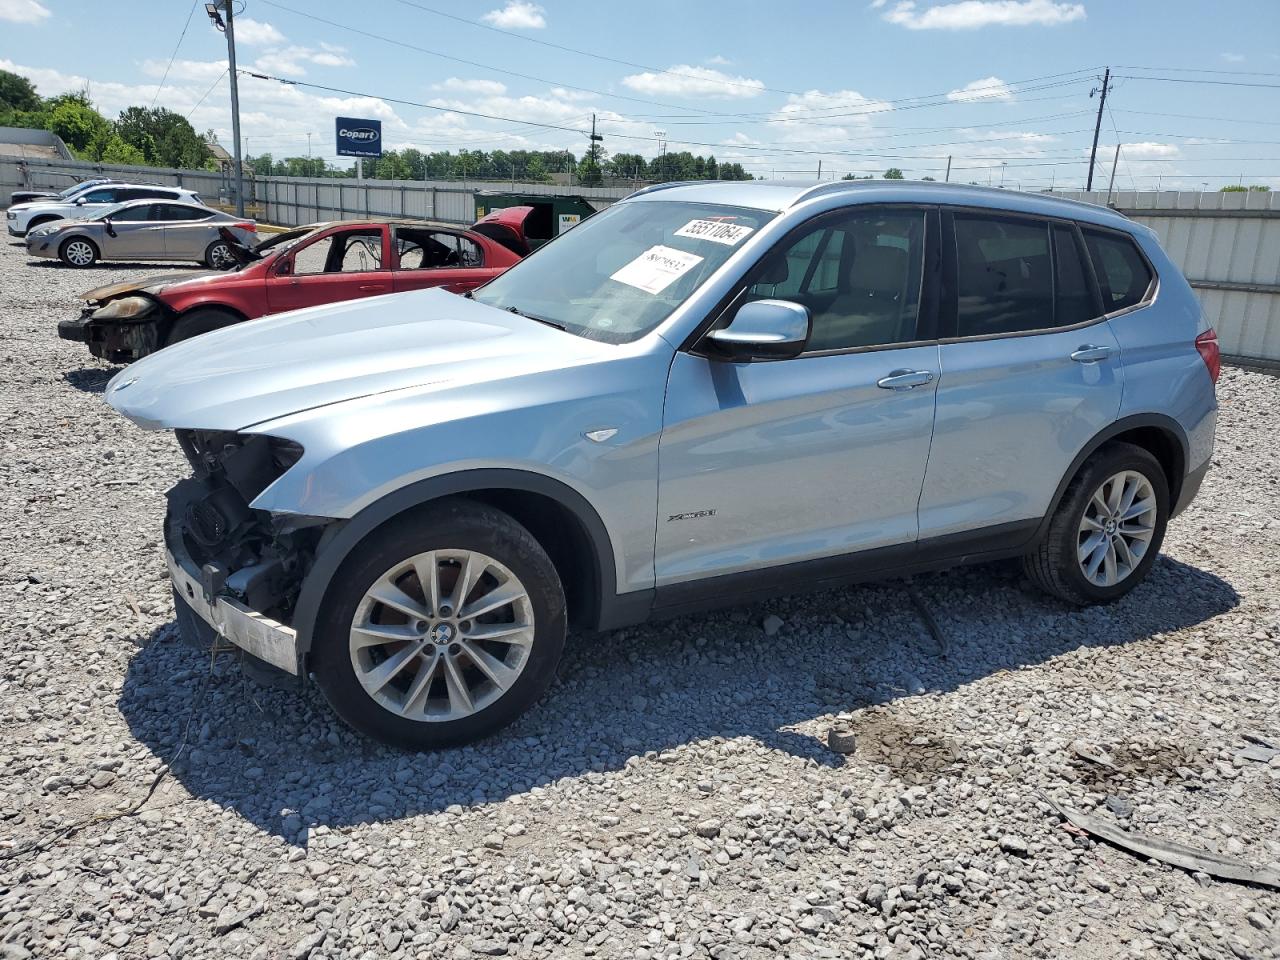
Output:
x,y
858,274
1123,274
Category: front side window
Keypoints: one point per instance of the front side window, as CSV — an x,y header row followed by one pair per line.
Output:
x,y
350,251
620,273
101,196
131,214
859,274
1123,274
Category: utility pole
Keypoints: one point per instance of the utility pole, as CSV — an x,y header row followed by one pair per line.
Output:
x,y
215,11
947,178
1114,163
819,169
1097,126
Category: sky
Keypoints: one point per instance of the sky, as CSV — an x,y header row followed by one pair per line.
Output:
x,y
1002,87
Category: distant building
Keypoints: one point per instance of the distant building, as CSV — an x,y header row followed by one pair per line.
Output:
x,y
224,159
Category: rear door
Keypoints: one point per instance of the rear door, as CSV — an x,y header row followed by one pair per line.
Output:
x,y
188,230
1030,372
342,263
438,258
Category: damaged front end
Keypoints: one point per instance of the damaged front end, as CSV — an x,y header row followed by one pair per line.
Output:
x,y
119,331
240,569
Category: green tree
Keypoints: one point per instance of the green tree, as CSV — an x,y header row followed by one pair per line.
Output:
x,y
71,116
117,151
893,173
536,170
1252,188
165,138
17,93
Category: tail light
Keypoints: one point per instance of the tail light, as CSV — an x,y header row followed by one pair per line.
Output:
x,y
1207,345
251,227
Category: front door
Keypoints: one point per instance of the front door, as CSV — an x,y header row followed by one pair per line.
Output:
x,y
344,263
1031,374
133,232
766,464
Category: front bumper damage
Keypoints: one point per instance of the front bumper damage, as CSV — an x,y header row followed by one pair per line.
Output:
x,y
116,341
238,569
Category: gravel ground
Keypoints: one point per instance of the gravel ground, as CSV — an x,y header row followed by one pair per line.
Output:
x,y
673,796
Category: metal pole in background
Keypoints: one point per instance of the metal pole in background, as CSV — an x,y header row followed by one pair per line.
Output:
x,y
235,108
947,178
1114,163
1097,127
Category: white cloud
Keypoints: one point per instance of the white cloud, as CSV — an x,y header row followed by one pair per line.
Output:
x,y
972,14
205,70
845,107
687,81
291,61
23,11
988,88
255,31
1147,150
517,15
1233,57
719,61
490,88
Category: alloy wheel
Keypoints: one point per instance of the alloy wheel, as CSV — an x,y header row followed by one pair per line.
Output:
x,y
1117,527
220,257
442,635
80,253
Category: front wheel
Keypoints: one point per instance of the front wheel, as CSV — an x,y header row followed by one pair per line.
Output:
x,y
197,322
1107,531
440,628
78,252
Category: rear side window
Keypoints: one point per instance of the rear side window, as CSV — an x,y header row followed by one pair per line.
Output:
x,y
1017,275
1123,274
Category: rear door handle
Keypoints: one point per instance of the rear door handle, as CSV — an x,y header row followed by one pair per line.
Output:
x,y
1090,353
905,379
372,287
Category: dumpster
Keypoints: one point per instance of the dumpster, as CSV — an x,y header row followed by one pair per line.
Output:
x,y
548,215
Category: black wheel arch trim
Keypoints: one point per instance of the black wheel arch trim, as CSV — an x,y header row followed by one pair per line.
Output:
x,y
1137,421
607,608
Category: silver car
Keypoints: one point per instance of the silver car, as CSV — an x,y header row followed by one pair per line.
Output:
x,y
703,394
143,230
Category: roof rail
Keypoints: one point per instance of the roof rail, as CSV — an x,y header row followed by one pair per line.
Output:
x,y
655,187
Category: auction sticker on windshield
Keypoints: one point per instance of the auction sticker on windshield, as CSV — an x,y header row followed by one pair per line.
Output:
x,y
717,231
656,269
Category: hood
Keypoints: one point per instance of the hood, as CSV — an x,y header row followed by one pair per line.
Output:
x,y
252,372
153,284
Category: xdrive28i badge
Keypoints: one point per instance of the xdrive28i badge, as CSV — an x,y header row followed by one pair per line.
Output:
x,y
691,515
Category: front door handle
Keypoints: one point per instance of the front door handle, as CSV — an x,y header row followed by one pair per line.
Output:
x,y
372,287
905,379
1091,353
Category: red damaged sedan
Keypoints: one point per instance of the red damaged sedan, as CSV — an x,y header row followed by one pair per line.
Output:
x,y
303,267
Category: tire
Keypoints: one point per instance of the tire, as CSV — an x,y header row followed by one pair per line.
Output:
x,y
218,256
415,705
78,252
193,631
1056,564
200,321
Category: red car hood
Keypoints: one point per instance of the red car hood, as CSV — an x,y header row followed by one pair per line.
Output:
x,y
156,284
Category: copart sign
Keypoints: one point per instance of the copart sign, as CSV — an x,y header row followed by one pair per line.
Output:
x,y
358,138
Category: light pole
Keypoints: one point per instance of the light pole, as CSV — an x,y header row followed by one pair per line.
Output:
x,y
661,136
228,27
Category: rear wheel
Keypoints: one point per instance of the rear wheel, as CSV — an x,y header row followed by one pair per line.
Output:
x,y
440,628
1107,530
78,252
218,256
197,322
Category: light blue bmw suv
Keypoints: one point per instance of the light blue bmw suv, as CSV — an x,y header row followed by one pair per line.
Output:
x,y
705,393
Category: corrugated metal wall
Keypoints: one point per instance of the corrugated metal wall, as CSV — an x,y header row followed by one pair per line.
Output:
x,y
1228,247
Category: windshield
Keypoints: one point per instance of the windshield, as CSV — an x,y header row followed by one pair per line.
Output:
x,y
622,272
74,189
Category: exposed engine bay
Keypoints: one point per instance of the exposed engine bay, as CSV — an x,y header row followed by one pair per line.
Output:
x,y
256,557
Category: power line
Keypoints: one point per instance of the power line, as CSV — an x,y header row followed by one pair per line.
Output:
x,y
1199,116
173,56
1216,83
207,92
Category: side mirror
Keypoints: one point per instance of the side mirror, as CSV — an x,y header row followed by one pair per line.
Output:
x,y
106,222
80,201
763,330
